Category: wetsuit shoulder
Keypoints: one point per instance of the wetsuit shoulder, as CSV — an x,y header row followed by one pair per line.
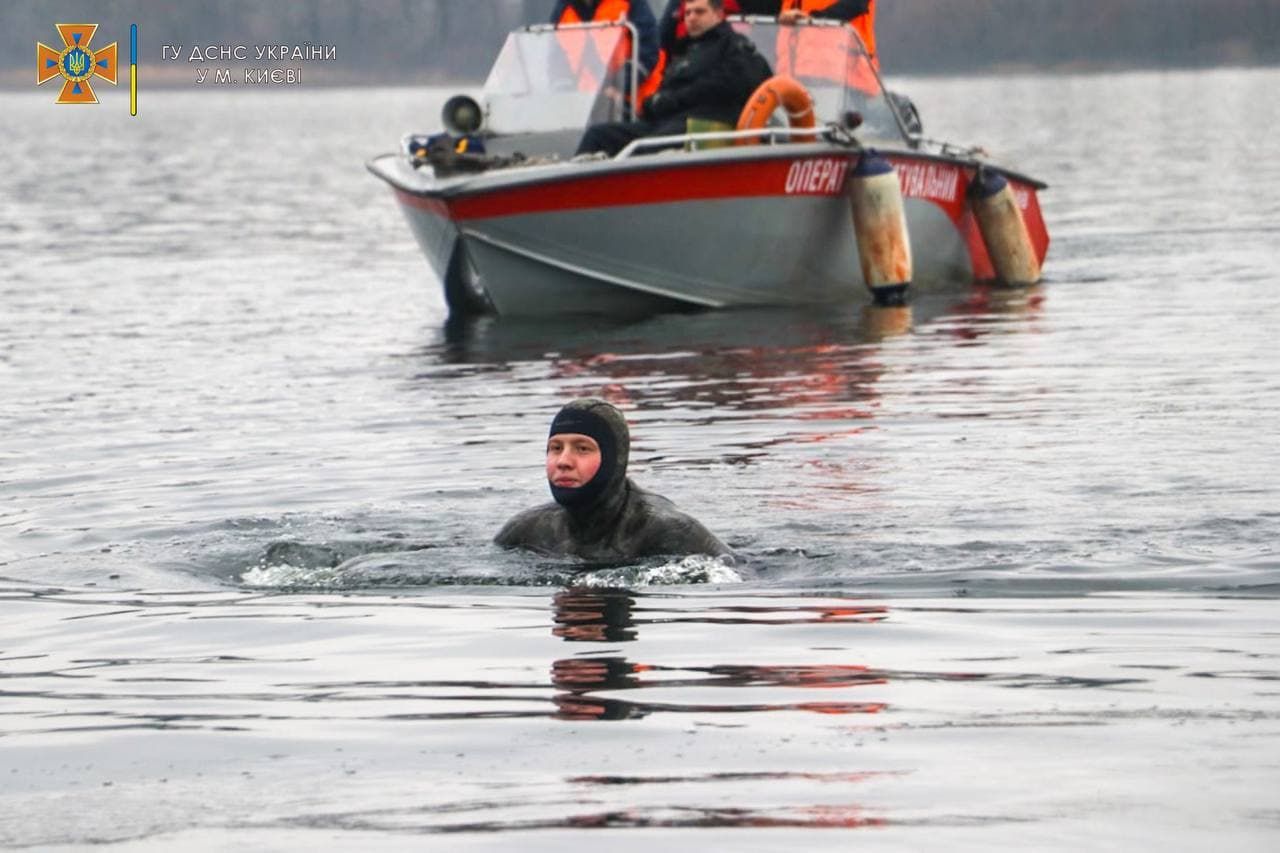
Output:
x,y
686,535
532,528
667,530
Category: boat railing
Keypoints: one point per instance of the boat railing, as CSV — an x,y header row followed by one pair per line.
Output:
x,y
687,141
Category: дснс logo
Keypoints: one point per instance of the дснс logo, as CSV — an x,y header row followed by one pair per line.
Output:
x,y
76,63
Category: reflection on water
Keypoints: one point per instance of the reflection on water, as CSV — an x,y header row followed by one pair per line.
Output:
x,y
739,711
608,616
596,616
753,346
752,383
582,679
761,360
989,311
580,616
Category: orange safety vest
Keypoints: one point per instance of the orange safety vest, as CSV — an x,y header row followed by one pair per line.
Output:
x,y
802,54
575,46
654,81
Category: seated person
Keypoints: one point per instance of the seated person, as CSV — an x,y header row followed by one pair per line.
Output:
x,y
711,77
635,11
599,513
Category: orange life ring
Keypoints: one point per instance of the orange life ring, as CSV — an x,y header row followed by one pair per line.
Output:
x,y
780,90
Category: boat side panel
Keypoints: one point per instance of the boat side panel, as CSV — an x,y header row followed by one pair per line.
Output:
x,y
933,192
432,227
944,186
940,253
761,251
519,285
713,234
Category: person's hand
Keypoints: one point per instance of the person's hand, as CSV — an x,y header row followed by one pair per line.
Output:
x,y
790,16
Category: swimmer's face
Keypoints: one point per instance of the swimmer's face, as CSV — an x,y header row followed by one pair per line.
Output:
x,y
700,17
572,460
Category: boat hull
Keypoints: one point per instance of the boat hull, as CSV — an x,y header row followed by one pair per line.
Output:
x,y
717,229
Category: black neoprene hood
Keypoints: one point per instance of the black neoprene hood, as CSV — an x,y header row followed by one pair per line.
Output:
x,y
603,422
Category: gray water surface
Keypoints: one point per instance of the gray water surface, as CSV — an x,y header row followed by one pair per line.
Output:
x,y
1009,568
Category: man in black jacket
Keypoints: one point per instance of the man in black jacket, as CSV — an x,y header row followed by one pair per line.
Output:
x,y
711,77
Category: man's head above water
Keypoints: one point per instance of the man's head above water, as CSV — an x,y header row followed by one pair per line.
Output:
x,y
598,513
587,452
572,459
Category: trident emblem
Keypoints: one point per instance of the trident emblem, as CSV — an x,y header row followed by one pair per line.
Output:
x,y
77,64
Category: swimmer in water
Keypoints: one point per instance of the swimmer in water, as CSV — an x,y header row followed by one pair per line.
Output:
x,y
599,514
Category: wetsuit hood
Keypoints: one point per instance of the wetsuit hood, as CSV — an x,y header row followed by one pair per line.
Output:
x,y
599,420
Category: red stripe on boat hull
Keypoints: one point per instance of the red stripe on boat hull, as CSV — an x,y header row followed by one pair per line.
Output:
x,y
624,189
939,183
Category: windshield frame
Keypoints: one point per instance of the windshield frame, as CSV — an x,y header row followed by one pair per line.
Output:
x,y
518,97
833,101
532,90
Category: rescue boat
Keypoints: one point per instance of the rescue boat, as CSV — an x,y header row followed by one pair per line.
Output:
x,y
827,192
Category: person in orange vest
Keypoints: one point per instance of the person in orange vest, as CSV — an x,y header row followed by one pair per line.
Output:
x,y
821,54
860,14
635,11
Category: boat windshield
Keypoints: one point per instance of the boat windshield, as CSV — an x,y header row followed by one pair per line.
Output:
x,y
552,78
831,62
